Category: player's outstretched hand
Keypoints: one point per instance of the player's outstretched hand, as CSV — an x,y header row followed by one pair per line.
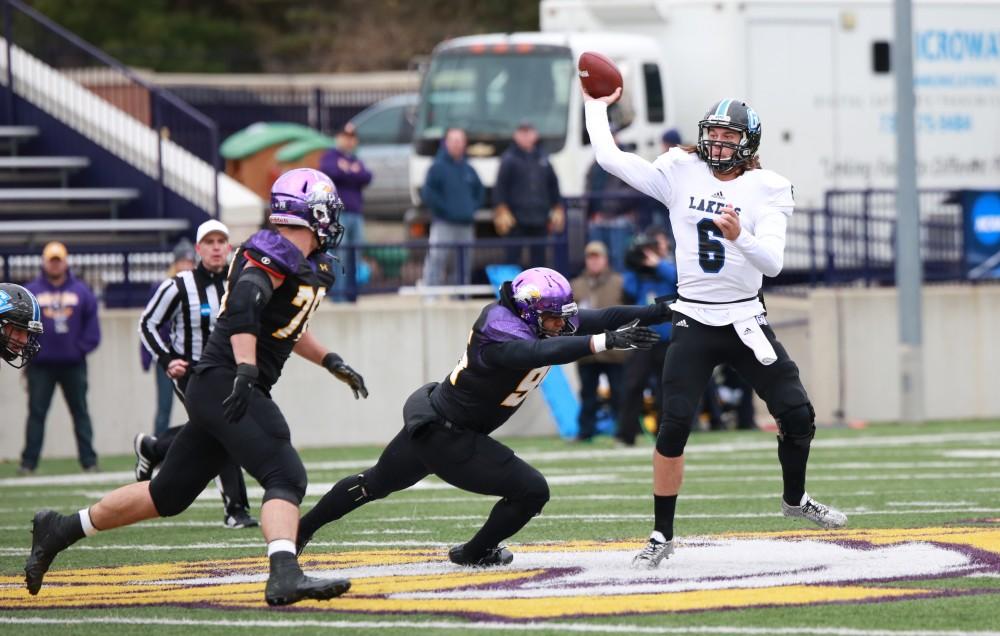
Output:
x,y
335,365
607,99
235,405
631,336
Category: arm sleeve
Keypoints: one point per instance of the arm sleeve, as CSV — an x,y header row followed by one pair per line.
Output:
x,y
555,197
500,196
479,192
91,325
246,300
765,248
364,176
630,168
160,310
429,193
531,354
593,321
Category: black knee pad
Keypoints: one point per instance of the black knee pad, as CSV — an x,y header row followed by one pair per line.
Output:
x,y
796,426
168,502
288,485
675,426
535,494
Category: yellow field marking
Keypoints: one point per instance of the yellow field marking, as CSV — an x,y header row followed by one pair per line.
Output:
x,y
212,584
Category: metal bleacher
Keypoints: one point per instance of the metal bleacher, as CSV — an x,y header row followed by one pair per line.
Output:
x,y
38,203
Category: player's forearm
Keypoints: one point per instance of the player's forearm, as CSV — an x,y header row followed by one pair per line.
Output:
x,y
766,253
310,348
244,348
594,321
531,354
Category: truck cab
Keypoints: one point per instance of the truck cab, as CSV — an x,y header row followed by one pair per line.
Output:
x,y
488,84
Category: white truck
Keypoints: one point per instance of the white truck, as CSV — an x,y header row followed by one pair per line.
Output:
x,y
816,71
488,84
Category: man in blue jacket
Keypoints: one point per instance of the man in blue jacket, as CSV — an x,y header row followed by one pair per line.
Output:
x,y
526,196
453,193
70,332
649,274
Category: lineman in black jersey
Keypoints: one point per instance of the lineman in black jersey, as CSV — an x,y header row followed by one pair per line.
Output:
x,y
447,425
276,281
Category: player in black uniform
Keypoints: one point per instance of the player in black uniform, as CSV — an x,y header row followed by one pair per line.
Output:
x,y
276,281
447,426
20,325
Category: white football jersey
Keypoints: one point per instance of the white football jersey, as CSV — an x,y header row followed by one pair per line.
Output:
x,y
709,267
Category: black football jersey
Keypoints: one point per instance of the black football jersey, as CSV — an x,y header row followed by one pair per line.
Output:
x,y
286,315
480,396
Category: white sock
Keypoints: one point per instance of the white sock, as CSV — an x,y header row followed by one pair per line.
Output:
x,y
657,536
88,527
280,545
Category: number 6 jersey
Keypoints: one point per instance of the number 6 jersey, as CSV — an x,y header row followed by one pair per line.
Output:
x,y
710,268
286,315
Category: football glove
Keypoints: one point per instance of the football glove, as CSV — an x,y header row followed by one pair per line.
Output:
x,y
335,365
235,405
631,336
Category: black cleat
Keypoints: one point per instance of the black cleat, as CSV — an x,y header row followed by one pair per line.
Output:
x,y
239,518
287,584
48,539
499,555
145,458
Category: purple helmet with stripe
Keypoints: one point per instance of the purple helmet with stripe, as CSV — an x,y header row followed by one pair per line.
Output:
x,y
305,197
539,292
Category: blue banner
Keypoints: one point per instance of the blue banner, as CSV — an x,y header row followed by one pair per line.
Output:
x,y
981,220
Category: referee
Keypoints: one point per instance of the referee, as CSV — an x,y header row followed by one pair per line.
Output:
x,y
188,304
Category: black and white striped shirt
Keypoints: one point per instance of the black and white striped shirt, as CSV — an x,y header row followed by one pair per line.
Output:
x,y
189,304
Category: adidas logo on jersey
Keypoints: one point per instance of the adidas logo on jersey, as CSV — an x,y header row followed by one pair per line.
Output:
x,y
747,331
719,195
682,323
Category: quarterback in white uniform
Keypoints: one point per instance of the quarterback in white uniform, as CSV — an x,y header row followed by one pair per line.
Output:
x,y
729,218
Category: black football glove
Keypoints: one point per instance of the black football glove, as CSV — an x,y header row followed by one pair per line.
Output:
x,y
665,313
236,404
335,365
631,336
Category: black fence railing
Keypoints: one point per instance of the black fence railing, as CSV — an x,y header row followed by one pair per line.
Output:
x,y
31,37
851,241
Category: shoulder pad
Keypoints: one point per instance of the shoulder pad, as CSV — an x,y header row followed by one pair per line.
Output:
x,y
274,252
675,156
778,188
501,325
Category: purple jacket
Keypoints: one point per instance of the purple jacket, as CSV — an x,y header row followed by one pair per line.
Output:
x,y
69,317
348,174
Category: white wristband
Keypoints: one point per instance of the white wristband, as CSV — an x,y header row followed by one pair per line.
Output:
x,y
597,343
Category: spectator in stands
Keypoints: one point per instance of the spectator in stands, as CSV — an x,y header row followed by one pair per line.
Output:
x,y
526,198
71,332
612,212
671,138
184,256
350,176
650,273
597,287
453,193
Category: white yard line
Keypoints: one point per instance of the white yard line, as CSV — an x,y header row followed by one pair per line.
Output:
x,y
591,628
601,518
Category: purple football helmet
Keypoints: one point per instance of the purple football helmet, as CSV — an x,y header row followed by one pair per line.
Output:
x,y
305,197
542,291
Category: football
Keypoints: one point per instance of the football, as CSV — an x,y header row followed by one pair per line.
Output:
x,y
598,74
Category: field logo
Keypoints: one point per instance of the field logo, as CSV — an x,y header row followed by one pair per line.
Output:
x,y
573,579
